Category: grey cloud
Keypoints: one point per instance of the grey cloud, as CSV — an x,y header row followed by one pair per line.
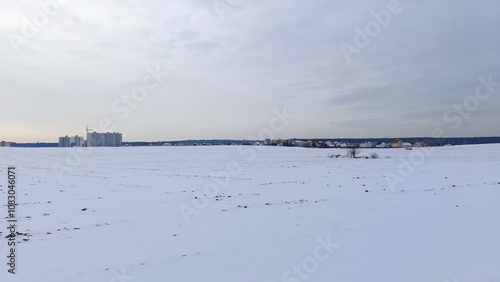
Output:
x,y
235,70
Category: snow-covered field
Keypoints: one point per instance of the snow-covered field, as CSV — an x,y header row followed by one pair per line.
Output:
x,y
289,214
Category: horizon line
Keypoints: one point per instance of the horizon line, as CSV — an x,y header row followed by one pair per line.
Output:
x,y
315,138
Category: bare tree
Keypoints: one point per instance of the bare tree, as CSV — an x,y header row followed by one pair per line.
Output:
x,y
353,152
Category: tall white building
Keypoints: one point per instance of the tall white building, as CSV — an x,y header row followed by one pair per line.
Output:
x,y
95,139
4,144
74,141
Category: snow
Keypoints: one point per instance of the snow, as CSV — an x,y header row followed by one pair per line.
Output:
x,y
440,224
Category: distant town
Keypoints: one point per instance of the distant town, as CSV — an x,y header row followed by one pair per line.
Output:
x,y
115,139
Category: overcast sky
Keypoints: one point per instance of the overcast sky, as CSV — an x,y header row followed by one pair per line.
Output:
x,y
64,67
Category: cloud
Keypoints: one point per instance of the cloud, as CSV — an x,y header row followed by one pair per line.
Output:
x,y
229,72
